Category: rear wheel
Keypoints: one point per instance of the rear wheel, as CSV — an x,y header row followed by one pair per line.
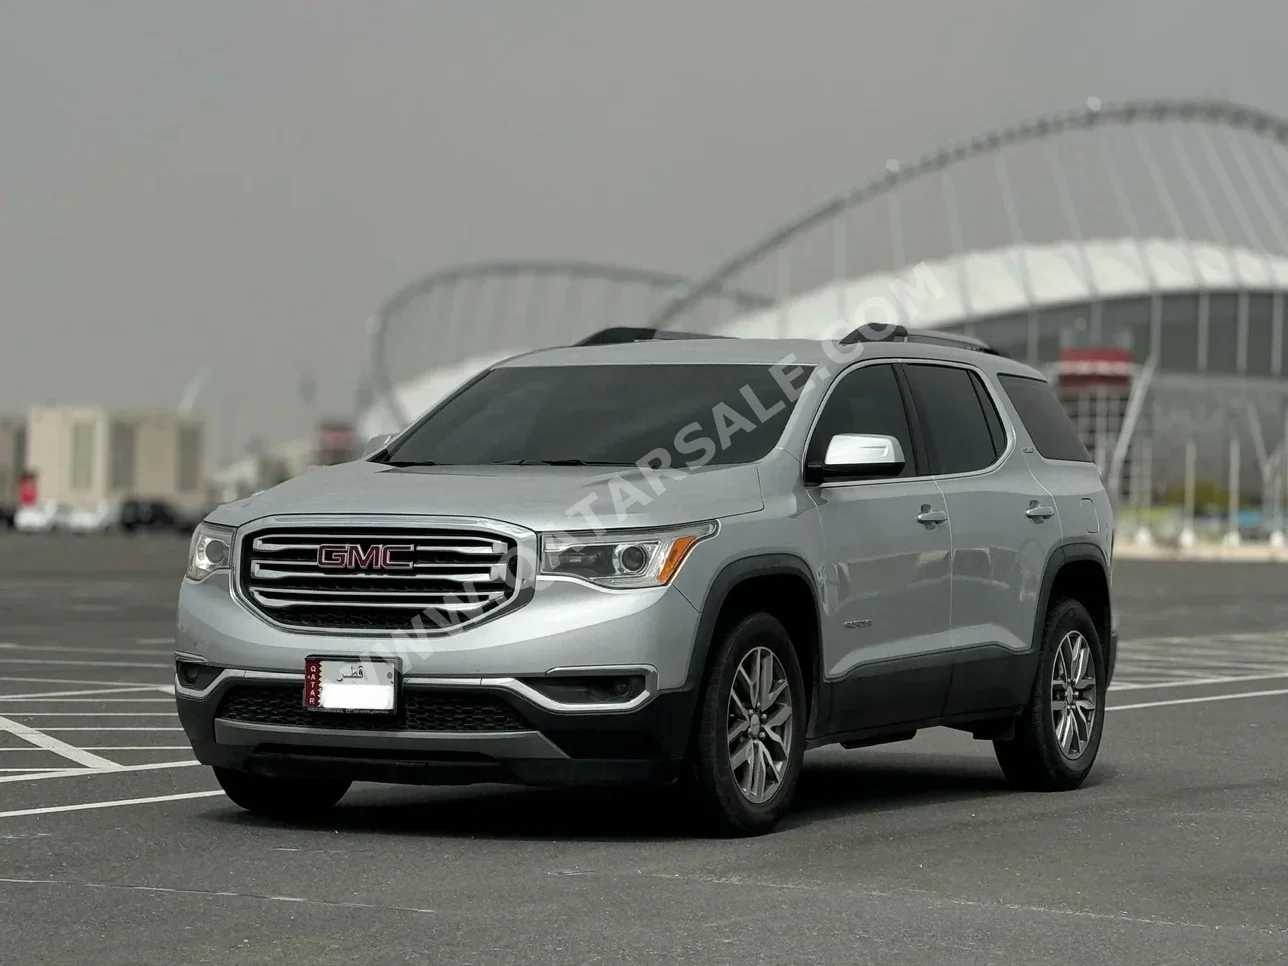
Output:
x,y
1058,734
281,797
749,740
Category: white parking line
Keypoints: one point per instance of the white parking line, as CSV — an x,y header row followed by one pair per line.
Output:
x,y
1202,700
46,699
1196,682
50,743
118,769
136,748
83,695
26,750
41,660
86,806
94,714
154,640
99,683
113,728
73,649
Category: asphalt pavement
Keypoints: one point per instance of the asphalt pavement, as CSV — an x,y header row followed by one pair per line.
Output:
x,y
115,848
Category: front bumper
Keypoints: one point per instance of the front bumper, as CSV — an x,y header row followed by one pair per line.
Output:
x,y
566,624
566,629
541,747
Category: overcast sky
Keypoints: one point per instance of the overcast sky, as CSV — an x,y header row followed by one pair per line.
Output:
x,y
242,183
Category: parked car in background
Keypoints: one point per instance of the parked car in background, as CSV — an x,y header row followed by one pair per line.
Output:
x,y
98,518
42,517
138,515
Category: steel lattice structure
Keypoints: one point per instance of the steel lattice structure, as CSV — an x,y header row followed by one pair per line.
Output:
x,y
1160,226
990,143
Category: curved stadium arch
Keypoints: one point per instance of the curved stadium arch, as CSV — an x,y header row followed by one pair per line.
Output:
x,y
1153,227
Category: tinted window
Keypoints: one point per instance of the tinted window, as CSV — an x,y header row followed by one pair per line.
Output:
x,y
957,435
607,414
1045,419
865,401
995,429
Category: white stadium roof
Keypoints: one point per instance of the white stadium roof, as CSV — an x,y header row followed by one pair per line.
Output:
x,y
975,285
1018,278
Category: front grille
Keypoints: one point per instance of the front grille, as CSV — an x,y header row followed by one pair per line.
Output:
x,y
417,711
374,579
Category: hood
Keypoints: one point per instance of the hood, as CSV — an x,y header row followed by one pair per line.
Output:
x,y
536,497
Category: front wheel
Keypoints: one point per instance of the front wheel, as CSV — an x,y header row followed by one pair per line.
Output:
x,y
749,740
283,798
1058,734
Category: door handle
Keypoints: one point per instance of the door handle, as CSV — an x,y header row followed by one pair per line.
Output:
x,y
931,517
1038,511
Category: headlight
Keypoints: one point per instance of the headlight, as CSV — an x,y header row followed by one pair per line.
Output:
x,y
621,558
210,550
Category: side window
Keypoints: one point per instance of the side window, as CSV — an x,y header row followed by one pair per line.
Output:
x,y
1053,433
958,438
991,416
866,400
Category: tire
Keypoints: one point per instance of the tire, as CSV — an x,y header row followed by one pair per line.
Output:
x,y
281,797
714,782
1035,759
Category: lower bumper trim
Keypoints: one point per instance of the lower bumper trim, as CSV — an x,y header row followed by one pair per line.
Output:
x,y
412,767
495,744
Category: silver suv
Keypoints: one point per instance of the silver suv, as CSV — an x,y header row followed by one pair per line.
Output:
x,y
685,560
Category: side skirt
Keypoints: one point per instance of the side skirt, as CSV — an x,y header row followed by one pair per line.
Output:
x,y
988,726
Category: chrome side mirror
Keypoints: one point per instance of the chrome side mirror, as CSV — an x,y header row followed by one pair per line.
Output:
x,y
855,456
376,444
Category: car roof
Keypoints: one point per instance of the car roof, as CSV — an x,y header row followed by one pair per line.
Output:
x,y
767,352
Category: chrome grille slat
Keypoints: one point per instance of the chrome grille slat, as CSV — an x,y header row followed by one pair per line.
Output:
x,y
373,595
259,572
442,577
438,605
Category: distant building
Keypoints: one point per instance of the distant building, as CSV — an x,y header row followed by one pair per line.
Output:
x,y
88,455
12,447
333,442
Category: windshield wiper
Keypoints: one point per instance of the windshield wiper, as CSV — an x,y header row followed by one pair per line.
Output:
x,y
567,462
408,463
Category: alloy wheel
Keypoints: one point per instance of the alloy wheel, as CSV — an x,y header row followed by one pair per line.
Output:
x,y
1074,696
760,718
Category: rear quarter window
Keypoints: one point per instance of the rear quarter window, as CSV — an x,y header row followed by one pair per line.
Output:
x,y
1048,424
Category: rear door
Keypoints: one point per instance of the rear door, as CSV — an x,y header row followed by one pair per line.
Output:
x,y
1002,534
1060,462
886,580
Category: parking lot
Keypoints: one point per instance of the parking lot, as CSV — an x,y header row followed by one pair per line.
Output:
x,y
115,848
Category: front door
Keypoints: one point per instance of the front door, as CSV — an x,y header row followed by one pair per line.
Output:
x,y
886,581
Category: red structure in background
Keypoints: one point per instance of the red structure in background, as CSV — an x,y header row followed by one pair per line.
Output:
x,y
1094,367
28,491
1094,384
335,443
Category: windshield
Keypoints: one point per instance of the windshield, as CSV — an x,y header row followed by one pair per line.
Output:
x,y
608,415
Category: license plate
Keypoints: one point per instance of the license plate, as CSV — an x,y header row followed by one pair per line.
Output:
x,y
340,685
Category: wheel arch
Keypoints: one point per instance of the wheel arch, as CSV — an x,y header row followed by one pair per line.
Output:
x,y
740,588
1079,569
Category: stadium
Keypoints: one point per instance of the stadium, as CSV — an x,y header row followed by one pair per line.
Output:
x,y
1136,252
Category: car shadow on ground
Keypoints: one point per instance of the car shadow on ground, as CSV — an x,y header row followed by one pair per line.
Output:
x,y
827,790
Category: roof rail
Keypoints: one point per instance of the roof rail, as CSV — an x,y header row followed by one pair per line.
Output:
x,y
623,334
900,333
